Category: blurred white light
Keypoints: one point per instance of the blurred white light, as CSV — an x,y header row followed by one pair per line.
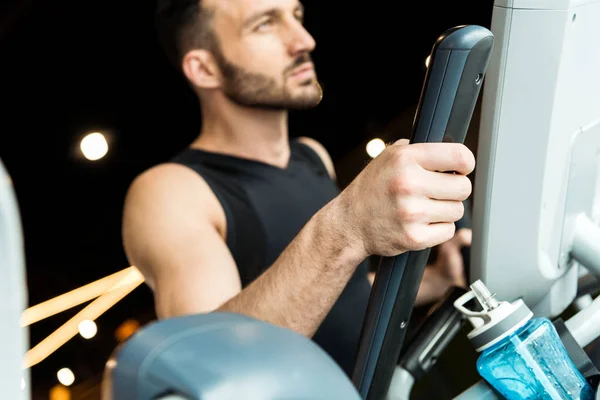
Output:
x,y
22,383
375,147
65,376
427,61
87,329
94,146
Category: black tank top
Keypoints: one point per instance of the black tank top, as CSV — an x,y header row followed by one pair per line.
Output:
x,y
265,208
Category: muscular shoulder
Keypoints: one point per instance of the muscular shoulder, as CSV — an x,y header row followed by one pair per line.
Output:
x,y
172,232
171,190
321,151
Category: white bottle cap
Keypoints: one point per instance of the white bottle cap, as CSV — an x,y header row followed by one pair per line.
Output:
x,y
496,320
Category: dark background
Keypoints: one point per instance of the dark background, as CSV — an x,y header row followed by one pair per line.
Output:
x,y
73,67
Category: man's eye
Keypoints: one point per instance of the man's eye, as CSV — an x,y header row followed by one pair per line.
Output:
x,y
300,18
264,24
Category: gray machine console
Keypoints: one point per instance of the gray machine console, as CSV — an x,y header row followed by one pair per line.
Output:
x,y
221,356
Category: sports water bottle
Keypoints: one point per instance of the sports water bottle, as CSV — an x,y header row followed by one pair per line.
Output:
x,y
521,357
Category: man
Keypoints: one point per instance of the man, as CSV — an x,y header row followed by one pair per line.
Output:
x,y
247,221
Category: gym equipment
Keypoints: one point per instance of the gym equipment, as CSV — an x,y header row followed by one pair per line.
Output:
x,y
538,154
537,185
220,356
536,207
427,344
537,106
13,296
457,66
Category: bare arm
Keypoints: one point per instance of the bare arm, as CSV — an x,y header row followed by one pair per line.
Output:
x,y
437,278
173,229
300,288
171,233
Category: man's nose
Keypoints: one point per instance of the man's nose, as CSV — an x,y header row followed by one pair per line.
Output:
x,y
300,41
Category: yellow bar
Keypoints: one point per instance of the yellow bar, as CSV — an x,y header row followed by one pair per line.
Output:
x,y
91,312
73,298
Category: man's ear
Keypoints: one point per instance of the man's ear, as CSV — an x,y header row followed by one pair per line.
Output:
x,y
200,68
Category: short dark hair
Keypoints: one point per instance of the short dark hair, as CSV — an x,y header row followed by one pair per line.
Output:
x,y
183,25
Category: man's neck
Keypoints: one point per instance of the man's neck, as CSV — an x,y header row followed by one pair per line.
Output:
x,y
245,132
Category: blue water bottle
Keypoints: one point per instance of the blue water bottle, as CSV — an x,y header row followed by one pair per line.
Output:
x,y
521,357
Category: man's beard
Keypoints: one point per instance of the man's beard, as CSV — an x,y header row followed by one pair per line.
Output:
x,y
260,91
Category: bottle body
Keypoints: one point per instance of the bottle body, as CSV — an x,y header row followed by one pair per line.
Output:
x,y
532,363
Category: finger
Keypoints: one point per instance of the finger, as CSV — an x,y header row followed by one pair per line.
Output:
x,y
430,235
428,211
442,186
444,157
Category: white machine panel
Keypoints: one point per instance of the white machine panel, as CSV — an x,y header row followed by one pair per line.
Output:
x,y
541,97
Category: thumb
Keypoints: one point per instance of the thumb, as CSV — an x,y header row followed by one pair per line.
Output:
x,y
402,142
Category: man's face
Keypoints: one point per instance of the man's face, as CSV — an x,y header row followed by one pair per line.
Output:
x,y
264,54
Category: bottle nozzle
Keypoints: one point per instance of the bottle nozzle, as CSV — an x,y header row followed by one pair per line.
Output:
x,y
484,296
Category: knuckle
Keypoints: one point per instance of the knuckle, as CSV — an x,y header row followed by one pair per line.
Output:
x,y
416,239
413,239
400,155
402,184
402,213
408,212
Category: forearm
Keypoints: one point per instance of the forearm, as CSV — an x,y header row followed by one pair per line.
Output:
x,y
300,288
